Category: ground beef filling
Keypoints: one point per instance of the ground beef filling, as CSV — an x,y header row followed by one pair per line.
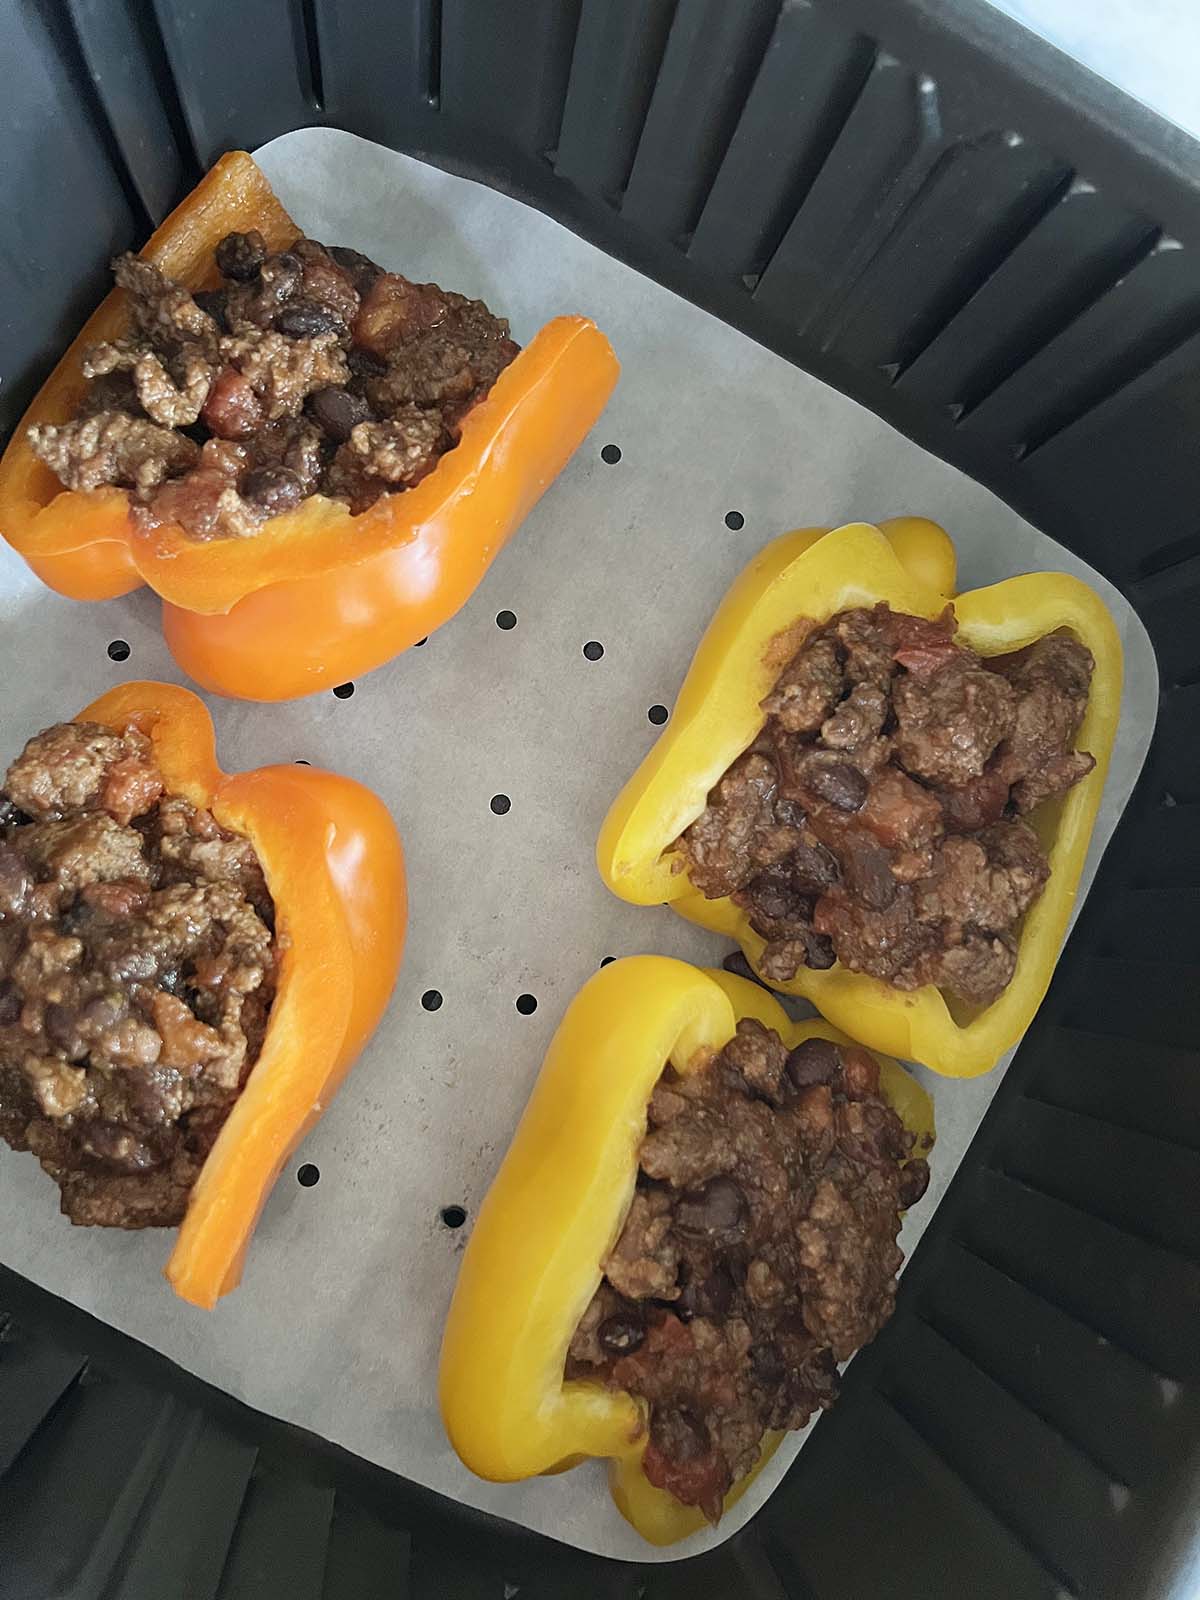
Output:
x,y
309,371
877,820
759,1251
137,970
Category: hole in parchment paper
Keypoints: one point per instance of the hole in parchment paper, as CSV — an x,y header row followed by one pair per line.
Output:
x,y
454,1216
308,1175
593,649
118,650
506,620
420,642
526,1004
608,961
611,453
301,762
500,804
658,715
431,999
734,520
344,691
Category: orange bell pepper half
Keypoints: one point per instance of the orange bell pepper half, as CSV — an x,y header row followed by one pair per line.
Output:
x,y
318,595
335,869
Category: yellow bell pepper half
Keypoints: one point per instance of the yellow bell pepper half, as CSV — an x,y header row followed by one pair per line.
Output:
x,y
815,574
556,1209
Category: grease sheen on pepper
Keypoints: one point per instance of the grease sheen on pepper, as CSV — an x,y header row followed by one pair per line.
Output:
x,y
910,564
317,596
334,866
554,1211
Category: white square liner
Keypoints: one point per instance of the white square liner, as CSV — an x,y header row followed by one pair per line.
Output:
x,y
337,1324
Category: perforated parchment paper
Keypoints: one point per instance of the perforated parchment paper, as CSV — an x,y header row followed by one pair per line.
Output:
x,y
338,1321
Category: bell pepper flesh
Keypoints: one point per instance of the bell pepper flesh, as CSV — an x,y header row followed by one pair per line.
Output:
x,y
554,1211
335,868
350,591
718,714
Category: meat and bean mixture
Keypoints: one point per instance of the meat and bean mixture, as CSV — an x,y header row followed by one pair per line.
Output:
x,y
137,971
878,819
759,1251
309,371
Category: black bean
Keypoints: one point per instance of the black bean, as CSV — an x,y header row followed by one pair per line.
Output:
x,y
275,489
776,896
305,319
213,301
365,363
103,1011
62,1028
338,411
914,1180
12,816
10,1002
281,276
789,813
240,255
360,269
813,868
717,1211
622,1333
814,1061
711,1296
839,783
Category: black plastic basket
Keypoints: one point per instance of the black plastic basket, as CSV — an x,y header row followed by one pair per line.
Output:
x,y
922,204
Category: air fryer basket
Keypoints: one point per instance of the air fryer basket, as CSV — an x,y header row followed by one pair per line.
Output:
x,y
922,205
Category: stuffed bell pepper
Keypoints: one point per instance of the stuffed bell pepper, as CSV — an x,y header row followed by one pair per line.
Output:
x,y
694,1226
189,963
313,461
882,790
